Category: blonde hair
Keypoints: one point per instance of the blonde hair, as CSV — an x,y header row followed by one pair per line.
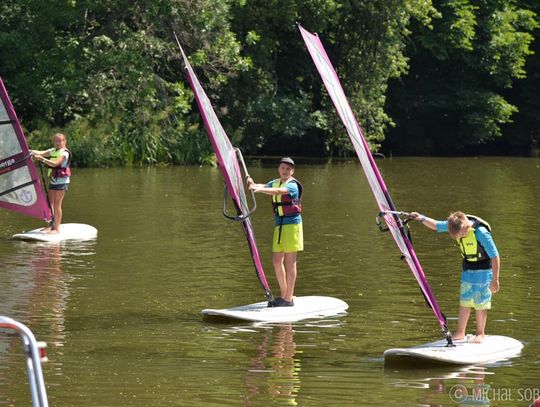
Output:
x,y
62,136
457,221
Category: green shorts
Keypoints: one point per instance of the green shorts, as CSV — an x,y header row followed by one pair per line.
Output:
x,y
291,239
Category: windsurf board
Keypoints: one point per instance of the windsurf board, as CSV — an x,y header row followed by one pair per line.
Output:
x,y
68,231
304,308
494,348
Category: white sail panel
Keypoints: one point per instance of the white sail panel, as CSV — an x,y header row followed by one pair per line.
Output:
x,y
9,143
24,196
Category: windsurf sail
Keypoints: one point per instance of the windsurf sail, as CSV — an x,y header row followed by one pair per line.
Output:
x,y
228,161
386,207
20,190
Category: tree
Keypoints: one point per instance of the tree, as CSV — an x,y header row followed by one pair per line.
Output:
x,y
136,83
283,100
37,60
523,134
453,97
108,73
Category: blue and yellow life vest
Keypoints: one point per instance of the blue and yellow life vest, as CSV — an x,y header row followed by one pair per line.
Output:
x,y
474,255
284,204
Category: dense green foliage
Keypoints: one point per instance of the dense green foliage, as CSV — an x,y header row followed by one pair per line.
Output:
x,y
460,72
431,76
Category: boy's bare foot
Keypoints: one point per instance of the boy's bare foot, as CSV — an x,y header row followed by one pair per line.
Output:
x,y
46,229
458,336
478,338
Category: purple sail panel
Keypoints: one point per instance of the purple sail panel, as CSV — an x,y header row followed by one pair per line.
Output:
x,y
335,90
229,166
20,190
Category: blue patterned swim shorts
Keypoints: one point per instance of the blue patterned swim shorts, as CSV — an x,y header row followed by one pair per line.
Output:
x,y
475,292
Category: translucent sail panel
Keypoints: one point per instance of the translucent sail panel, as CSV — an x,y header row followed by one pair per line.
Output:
x,y
18,188
9,143
3,112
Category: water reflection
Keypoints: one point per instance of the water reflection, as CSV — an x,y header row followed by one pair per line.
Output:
x,y
131,311
275,369
35,288
35,291
271,359
31,290
463,386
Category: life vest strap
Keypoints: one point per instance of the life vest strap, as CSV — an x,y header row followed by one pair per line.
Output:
x,y
282,203
280,228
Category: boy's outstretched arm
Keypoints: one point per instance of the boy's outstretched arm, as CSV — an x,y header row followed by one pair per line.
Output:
x,y
427,222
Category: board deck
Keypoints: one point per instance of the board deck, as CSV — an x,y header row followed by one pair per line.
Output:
x,y
304,308
494,348
68,231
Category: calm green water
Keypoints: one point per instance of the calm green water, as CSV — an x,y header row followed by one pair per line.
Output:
x,y
121,315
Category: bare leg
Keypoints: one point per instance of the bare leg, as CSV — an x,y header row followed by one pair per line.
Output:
x,y
290,268
51,196
56,198
279,269
481,319
463,318
58,210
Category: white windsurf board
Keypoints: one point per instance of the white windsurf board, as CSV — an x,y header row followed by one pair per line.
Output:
x,y
494,348
68,231
304,308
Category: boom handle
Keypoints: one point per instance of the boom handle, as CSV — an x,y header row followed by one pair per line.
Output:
x,y
397,216
241,217
241,159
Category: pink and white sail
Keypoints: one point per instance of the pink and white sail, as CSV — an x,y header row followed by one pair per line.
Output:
x,y
382,196
20,190
226,155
